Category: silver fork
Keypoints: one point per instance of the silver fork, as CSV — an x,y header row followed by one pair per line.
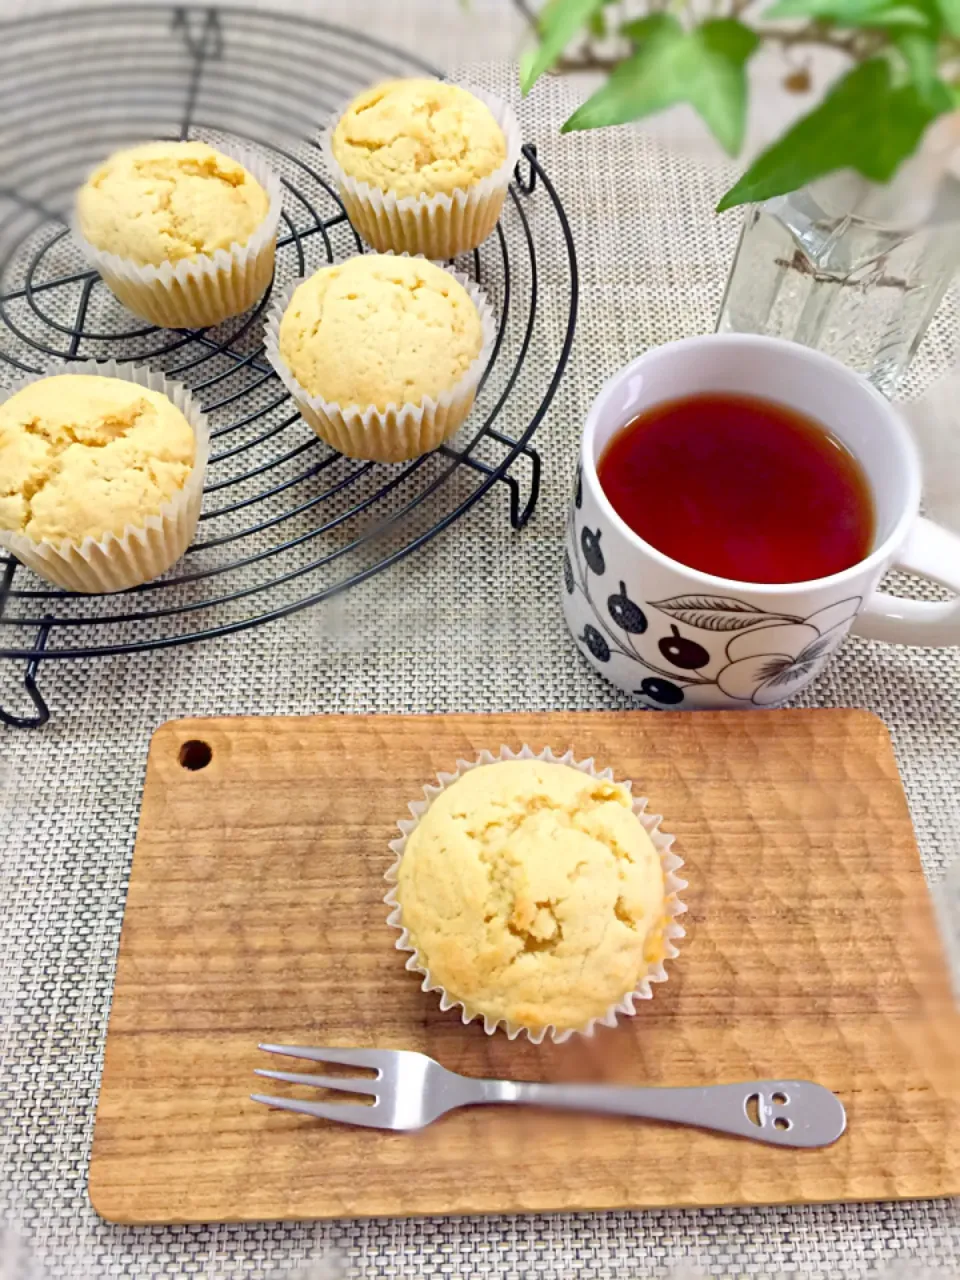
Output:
x,y
411,1090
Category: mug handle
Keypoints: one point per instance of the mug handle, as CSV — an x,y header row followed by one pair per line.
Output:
x,y
932,552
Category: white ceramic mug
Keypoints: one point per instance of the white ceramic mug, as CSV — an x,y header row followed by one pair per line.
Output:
x,y
682,638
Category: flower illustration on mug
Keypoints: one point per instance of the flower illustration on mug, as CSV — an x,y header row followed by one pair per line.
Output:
x,y
771,656
769,663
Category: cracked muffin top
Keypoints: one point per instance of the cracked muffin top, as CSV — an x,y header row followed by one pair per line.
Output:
x,y
533,893
380,330
83,456
418,138
166,201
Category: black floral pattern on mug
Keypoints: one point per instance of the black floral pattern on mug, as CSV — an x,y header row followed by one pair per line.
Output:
x,y
682,651
769,663
771,656
625,612
665,692
595,643
590,544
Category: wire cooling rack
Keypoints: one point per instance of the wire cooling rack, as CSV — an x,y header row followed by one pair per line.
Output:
x,y
286,522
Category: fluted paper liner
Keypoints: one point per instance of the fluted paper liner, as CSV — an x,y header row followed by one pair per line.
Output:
x,y
673,884
438,226
141,552
206,289
397,432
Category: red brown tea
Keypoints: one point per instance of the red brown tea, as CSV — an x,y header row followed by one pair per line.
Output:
x,y
740,487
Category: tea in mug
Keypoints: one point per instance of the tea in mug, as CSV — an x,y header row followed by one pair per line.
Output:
x,y
740,487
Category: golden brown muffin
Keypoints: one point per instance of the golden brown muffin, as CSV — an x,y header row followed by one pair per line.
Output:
x,y
533,894
183,235
166,201
379,330
418,137
83,456
424,166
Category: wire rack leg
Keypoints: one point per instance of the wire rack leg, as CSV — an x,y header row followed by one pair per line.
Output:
x,y
30,676
519,515
526,181
36,697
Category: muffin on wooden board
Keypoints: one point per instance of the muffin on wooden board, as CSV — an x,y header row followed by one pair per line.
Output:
x,y
535,893
101,475
423,166
382,353
184,235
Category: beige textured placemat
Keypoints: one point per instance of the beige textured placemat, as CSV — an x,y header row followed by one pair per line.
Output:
x,y
473,622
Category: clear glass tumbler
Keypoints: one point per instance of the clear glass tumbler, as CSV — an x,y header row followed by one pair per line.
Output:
x,y
829,267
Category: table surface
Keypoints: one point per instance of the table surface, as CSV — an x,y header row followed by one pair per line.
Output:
x,y
471,623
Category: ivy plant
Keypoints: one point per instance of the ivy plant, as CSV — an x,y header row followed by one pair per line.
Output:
x,y
903,70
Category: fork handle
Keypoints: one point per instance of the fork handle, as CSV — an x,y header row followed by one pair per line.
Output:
x,y
790,1113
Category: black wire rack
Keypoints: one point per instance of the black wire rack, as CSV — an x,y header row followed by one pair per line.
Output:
x,y
286,522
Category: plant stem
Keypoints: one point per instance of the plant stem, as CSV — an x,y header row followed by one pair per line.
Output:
x,y
856,45
811,34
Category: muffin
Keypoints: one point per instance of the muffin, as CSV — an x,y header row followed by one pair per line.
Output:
x,y
383,354
184,235
537,895
101,475
423,166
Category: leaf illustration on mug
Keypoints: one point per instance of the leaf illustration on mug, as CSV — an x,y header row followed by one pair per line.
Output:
x,y
718,613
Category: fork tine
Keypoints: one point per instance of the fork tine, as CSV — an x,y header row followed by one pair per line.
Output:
x,y
372,1058
344,1113
346,1084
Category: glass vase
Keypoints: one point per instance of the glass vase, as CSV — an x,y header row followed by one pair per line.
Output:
x,y
851,269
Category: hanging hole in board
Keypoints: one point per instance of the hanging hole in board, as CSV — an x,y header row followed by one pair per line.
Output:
x,y
752,1108
781,1122
195,755
780,1099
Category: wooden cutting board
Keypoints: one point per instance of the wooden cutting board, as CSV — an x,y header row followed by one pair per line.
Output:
x,y
255,913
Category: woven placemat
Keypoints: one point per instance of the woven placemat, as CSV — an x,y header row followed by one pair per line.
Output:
x,y
472,623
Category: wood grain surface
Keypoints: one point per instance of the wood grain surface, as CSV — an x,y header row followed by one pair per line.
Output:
x,y
255,913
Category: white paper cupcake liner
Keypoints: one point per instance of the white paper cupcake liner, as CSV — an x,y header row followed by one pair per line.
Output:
x,y
397,432
204,290
673,884
439,226
141,552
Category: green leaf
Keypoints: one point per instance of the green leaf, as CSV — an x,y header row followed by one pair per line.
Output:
x,y
919,52
864,123
853,13
597,24
950,12
546,14
654,24
704,67
559,23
